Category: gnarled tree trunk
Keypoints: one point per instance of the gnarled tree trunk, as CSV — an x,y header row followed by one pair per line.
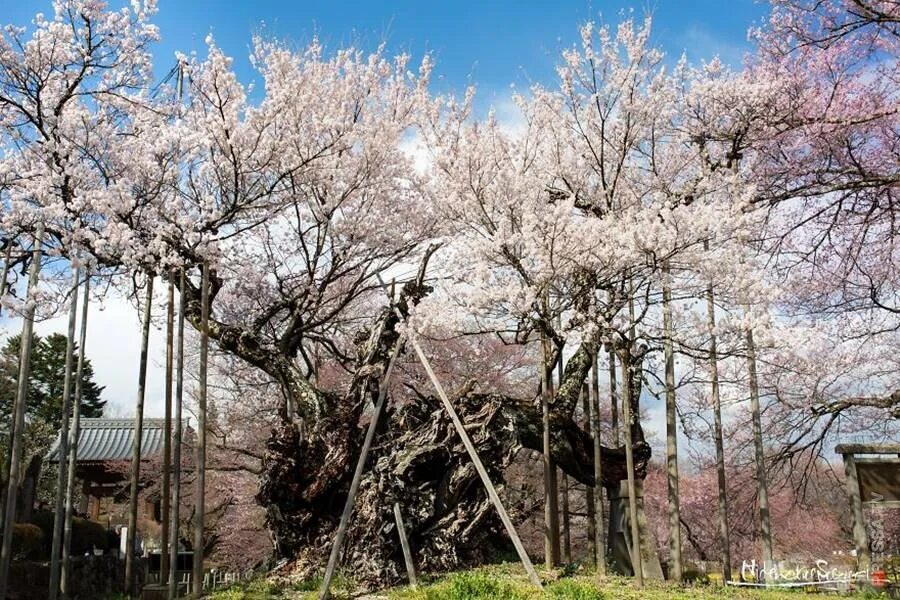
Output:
x,y
417,460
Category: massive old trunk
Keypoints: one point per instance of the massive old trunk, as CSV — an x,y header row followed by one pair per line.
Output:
x,y
417,460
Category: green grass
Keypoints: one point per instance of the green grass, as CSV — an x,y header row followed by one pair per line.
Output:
x,y
508,582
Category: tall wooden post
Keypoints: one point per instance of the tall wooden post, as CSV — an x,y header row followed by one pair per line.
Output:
x,y
724,535
134,488
176,450
551,486
12,430
765,527
18,416
613,397
59,516
671,433
564,479
200,493
594,403
629,421
167,435
74,434
588,490
566,519
169,559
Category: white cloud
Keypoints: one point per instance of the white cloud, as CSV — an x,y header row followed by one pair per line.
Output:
x,y
114,348
702,44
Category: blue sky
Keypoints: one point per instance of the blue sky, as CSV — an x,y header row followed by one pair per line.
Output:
x,y
492,44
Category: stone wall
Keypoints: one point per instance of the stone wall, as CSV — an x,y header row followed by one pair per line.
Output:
x,y
93,578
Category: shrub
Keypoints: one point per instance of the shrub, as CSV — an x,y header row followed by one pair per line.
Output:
x,y
44,521
27,541
87,535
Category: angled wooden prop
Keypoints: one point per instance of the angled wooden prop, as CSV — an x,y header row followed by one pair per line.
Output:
x,y
482,472
473,455
404,545
357,476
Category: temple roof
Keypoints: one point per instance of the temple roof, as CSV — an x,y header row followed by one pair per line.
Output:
x,y
113,439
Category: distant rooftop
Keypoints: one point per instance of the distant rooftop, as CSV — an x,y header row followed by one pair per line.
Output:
x,y
113,439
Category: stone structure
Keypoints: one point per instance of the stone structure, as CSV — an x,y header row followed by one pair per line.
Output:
x,y
873,479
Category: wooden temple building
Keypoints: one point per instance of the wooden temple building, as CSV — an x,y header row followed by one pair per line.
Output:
x,y
103,466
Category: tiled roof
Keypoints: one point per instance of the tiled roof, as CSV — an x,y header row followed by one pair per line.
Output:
x,y
113,439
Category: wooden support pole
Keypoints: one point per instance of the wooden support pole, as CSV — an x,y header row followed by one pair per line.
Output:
x,y
12,430
588,490
176,449
167,436
613,397
765,528
59,516
74,434
551,485
172,459
594,404
404,545
18,415
566,519
564,479
629,418
200,479
674,504
349,503
134,489
479,467
724,535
